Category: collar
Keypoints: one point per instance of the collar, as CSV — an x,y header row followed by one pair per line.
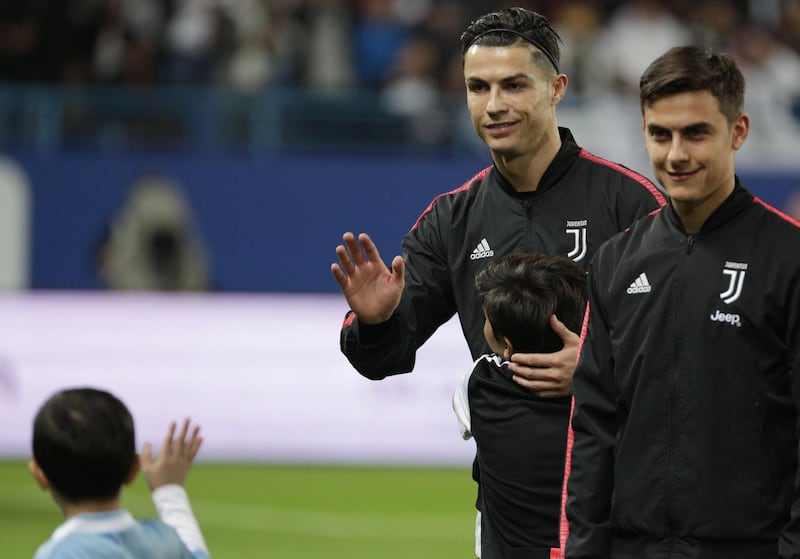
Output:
x,y
95,523
739,200
501,365
561,164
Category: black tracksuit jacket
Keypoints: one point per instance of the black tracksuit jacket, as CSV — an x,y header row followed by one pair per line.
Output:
x,y
519,464
687,391
581,201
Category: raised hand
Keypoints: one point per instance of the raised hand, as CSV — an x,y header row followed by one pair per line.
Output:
x,y
175,460
372,290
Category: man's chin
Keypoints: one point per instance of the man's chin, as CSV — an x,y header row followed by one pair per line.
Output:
x,y
506,150
683,195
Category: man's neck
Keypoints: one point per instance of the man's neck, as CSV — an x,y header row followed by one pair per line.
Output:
x,y
694,213
525,172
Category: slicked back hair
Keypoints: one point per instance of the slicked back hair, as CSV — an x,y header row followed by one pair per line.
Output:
x,y
519,292
511,26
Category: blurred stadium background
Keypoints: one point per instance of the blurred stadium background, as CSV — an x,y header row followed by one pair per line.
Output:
x,y
174,177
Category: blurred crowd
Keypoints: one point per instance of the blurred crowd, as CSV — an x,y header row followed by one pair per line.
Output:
x,y
401,46
405,50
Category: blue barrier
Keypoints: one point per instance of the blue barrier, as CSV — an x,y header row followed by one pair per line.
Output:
x,y
270,222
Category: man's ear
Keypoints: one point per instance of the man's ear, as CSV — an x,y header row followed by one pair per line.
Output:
x,y
560,83
741,127
135,466
38,475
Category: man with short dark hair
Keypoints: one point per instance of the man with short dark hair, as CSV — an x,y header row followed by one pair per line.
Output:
x,y
543,194
688,385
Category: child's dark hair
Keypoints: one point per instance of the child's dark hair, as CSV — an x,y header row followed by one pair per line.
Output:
x,y
519,292
83,441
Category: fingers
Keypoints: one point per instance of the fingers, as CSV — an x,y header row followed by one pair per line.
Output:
x,y
345,261
167,446
555,367
146,457
545,388
536,365
565,357
399,267
567,336
541,378
186,444
339,275
190,447
178,452
355,252
547,375
182,436
194,443
370,250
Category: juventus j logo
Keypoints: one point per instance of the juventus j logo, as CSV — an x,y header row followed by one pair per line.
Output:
x,y
735,272
578,231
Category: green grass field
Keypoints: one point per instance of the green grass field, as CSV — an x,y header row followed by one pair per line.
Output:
x,y
286,512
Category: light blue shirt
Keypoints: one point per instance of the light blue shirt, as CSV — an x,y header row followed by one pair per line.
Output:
x,y
115,535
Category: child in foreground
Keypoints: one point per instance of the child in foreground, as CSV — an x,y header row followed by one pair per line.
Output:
x,y
84,452
518,488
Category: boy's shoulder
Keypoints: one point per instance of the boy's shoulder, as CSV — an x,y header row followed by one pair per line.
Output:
x,y
491,368
115,535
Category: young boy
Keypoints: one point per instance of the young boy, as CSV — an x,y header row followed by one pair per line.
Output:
x,y
519,484
83,453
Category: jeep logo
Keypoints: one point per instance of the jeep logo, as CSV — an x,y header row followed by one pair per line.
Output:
x,y
727,318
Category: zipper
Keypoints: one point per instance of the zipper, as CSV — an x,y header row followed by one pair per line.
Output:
x,y
528,208
673,397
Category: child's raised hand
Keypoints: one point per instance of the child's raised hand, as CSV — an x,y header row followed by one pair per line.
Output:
x,y
175,460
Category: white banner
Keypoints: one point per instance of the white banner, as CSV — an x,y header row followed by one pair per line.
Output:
x,y
262,374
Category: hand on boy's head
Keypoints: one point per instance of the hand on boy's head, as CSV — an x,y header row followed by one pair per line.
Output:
x,y
548,375
175,460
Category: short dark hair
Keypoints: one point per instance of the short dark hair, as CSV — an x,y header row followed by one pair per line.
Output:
x,y
84,443
519,292
694,68
510,26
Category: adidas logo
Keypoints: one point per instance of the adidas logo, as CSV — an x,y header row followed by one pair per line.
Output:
x,y
481,251
641,285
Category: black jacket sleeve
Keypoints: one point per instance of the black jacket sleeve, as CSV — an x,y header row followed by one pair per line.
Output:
x,y
377,351
591,479
789,541
427,302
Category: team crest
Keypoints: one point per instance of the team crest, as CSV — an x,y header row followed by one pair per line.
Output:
x,y
735,272
577,231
